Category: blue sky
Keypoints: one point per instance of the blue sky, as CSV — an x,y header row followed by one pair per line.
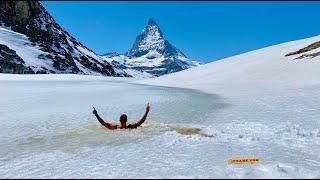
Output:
x,y
204,31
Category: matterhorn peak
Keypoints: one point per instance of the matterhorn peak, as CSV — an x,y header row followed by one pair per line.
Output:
x,y
152,54
151,22
152,30
150,39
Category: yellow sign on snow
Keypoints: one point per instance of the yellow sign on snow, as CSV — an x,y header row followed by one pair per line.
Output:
x,y
244,161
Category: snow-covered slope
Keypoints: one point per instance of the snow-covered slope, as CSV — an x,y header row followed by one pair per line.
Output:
x,y
121,62
42,46
152,54
273,108
264,70
25,50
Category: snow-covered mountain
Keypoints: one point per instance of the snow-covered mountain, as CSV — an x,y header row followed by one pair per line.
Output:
x,y
285,66
32,42
151,54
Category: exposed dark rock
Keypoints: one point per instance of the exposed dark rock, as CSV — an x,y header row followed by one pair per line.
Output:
x,y
306,49
10,62
312,55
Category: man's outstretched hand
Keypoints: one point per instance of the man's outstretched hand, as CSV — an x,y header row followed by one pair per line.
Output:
x,y
94,111
148,107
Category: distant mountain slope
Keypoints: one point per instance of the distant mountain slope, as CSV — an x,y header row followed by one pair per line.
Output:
x,y
282,66
152,54
44,47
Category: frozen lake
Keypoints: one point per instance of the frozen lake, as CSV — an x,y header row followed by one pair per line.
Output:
x,y
43,117
48,131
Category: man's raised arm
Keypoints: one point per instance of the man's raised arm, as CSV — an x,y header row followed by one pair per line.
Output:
x,y
107,125
143,119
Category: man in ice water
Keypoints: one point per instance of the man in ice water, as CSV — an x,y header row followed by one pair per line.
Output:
x,y
123,121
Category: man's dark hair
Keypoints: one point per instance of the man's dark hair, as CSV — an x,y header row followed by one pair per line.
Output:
x,y
123,118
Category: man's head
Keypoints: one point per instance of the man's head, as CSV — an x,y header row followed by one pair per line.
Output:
x,y
123,119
